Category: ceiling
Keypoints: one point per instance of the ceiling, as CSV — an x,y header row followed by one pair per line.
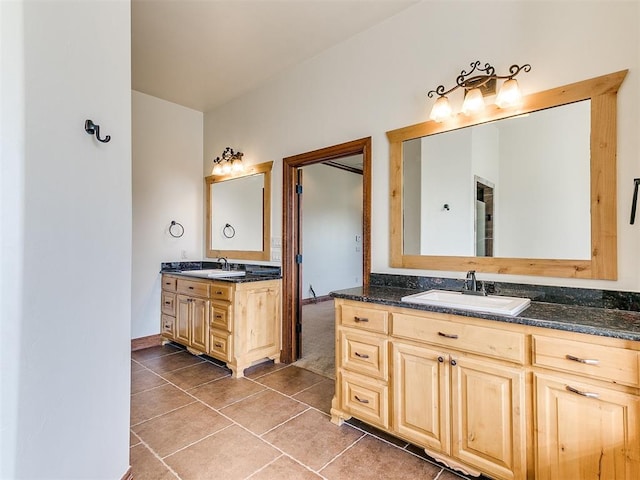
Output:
x,y
202,54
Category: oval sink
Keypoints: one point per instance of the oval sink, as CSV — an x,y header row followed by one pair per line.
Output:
x,y
214,273
477,303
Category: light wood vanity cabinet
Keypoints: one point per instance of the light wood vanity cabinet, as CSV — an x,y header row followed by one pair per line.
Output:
x,y
238,323
506,400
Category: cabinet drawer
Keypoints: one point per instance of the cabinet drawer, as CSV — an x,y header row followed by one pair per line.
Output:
x,y
364,318
486,341
219,345
169,283
189,287
221,291
617,365
219,316
168,326
366,399
365,354
169,303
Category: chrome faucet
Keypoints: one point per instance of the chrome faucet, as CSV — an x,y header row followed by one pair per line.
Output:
x,y
225,265
471,285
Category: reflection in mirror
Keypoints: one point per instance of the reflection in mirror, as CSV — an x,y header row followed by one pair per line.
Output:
x,y
239,214
236,216
517,187
523,191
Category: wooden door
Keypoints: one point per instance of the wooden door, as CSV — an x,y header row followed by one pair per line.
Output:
x,y
585,432
199,324
421,396
488,417
182,329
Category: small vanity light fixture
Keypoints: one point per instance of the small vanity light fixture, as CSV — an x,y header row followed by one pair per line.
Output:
x,y
228,162
476,87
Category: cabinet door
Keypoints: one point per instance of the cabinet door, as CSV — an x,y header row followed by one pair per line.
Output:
x,y
199,324
488,417
257,315
585,432
182,330
421,396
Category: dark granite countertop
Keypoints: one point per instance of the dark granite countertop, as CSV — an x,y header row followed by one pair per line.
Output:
x,y
254,273
573,318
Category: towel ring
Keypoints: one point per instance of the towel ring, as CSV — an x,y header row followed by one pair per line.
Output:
x,y
180,228
228,231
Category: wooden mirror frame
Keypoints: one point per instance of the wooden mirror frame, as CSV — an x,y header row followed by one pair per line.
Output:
x,y
265,254
602,91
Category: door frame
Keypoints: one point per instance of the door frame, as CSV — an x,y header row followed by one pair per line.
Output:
x,y
291,230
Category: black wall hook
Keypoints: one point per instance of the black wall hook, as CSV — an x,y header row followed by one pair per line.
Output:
x,y
91,128
634,202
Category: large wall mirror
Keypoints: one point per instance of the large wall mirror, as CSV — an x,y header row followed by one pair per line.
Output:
x,y
238,223
530,192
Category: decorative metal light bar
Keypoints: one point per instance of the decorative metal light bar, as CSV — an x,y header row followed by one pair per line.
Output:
x,y
476,87
229,161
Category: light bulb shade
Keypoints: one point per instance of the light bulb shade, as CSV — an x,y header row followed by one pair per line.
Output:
x,y
237,165
441,110
509,95
217,169
473,102
226,168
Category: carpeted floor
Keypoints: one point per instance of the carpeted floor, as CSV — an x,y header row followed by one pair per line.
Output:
x,y
318,332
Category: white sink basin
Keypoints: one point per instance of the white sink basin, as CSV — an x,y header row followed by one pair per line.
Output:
x,y
475,303
215,273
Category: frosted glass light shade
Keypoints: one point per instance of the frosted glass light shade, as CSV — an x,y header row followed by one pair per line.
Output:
x,y
237,165
509,95
441,110
217,169
473,102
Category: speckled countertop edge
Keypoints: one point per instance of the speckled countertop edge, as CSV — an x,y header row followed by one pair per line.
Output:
x,y
255,273
572,318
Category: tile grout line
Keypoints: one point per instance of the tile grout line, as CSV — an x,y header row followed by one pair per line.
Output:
x,y
349,447
158,457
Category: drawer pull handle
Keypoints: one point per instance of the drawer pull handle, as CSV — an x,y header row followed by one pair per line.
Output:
x,y
190,288
219,345
586,361
167,303
360,399
584,394
219,316
361,319
361,355
448,335
218,293
167,327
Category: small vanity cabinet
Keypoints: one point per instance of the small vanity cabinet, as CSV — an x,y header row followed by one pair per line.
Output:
x,y
505,400
238,323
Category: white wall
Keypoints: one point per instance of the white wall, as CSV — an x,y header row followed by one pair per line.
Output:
x,y
377,81
331,219
167,185
66,240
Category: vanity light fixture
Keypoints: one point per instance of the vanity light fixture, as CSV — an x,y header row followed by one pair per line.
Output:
x,y
476,87
229,161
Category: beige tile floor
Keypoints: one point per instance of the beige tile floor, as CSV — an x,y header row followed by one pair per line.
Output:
x,y
191,420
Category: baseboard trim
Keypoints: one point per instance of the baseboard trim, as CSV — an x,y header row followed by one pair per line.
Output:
x,y
146,342
128,475
324,298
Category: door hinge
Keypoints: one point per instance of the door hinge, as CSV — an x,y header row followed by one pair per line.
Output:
x,y
299,189
298,258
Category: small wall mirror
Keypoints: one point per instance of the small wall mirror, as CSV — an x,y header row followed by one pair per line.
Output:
x,y
531,191
238,223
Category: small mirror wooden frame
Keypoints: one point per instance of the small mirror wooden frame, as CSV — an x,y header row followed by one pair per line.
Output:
x,y
265,253
602,91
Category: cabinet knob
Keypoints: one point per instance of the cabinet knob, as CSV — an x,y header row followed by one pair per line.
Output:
x,y
440,359
360,319
360,399
453,362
